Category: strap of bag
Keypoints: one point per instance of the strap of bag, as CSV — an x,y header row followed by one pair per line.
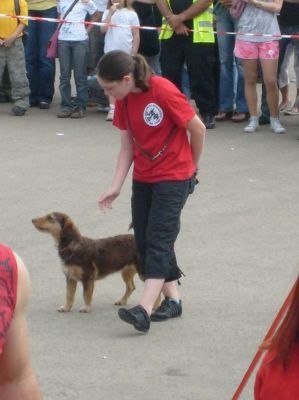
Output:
x,y
67,12
143,152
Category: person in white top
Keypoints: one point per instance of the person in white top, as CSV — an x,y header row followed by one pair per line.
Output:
x,y
120,12
73,53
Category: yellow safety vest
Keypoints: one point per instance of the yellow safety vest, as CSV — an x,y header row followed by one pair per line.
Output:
x,y
202,27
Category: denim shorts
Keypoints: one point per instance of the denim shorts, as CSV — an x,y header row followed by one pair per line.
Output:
x,y
156,211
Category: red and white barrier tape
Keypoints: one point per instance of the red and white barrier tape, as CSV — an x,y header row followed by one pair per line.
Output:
x,y
67,21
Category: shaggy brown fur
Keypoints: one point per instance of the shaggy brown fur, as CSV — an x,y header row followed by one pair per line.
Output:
x,y
87,260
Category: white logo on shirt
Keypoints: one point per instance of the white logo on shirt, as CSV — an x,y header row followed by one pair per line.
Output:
x,y
152,114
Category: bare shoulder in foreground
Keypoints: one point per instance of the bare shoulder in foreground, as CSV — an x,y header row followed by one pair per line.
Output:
x,y
17,378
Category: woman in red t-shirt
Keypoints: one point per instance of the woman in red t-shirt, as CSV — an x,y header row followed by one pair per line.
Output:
x,y
278,376
153,117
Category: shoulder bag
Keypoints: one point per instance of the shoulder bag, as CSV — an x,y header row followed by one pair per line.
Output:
x,y
52,51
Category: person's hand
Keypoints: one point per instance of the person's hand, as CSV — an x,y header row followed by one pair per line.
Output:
x,y
106,199
226,3
113,8
1,42
174,20
182,30
8,42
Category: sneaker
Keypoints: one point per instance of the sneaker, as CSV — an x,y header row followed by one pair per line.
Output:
x,y
252,126
18,111
276,125
136,316
168,309
64,114
78,113
110,114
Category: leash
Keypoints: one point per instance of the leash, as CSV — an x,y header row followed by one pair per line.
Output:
x,y
269,334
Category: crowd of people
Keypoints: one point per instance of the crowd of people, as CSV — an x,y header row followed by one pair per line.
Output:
x,y
161,135
219,72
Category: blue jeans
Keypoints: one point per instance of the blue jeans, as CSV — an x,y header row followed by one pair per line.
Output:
x,y
73,56
228,62
283,43
40,69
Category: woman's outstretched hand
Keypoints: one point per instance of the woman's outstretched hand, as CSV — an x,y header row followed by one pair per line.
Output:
x,y
106,198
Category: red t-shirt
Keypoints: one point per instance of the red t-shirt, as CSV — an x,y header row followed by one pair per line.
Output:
x,y
8,290
273,382
152,115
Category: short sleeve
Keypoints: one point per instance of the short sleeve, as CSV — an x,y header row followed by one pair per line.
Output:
x,y
119,119
135,19
175,104
23,11
91,8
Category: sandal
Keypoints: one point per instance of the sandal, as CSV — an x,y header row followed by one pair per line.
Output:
x,y
240,117
223,116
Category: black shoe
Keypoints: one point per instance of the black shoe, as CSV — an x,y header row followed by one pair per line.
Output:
x,y
136,316
264,120
209,121
168,309
44,105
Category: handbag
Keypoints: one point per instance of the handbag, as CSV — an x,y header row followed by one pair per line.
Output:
x,y
52,51
237,7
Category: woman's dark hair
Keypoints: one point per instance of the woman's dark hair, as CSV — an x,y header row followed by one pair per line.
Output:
x,y
113,66
287,335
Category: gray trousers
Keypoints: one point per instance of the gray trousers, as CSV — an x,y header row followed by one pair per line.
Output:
x,y
14,58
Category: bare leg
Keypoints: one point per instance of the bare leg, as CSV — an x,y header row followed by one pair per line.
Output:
x,y
250,76
151,291
269,68
170,290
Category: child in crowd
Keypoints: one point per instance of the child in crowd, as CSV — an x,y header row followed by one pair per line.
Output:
x,y
260,16
120,12
73,52
12,54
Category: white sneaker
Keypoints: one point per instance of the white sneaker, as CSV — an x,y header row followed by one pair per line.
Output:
x,y
252,126
110,114
276,125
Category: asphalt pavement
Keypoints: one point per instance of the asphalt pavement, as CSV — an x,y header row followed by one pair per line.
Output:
x,y
238,247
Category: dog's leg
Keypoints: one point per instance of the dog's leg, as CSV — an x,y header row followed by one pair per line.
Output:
x,y
71,286
88,287
127,274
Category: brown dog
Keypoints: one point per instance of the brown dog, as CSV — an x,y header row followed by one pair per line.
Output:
x,y
87,260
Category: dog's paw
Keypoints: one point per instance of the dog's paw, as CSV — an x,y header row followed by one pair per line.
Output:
x,y
64,309
120,302
85,309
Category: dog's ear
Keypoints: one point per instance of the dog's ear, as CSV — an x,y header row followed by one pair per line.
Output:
x,y
60,218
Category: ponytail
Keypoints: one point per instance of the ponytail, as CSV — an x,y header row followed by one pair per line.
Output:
x,y
113,66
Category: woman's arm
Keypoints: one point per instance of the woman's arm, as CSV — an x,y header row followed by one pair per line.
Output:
x,y
96,17
124,162
136,41
108,17
274,6
197,132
